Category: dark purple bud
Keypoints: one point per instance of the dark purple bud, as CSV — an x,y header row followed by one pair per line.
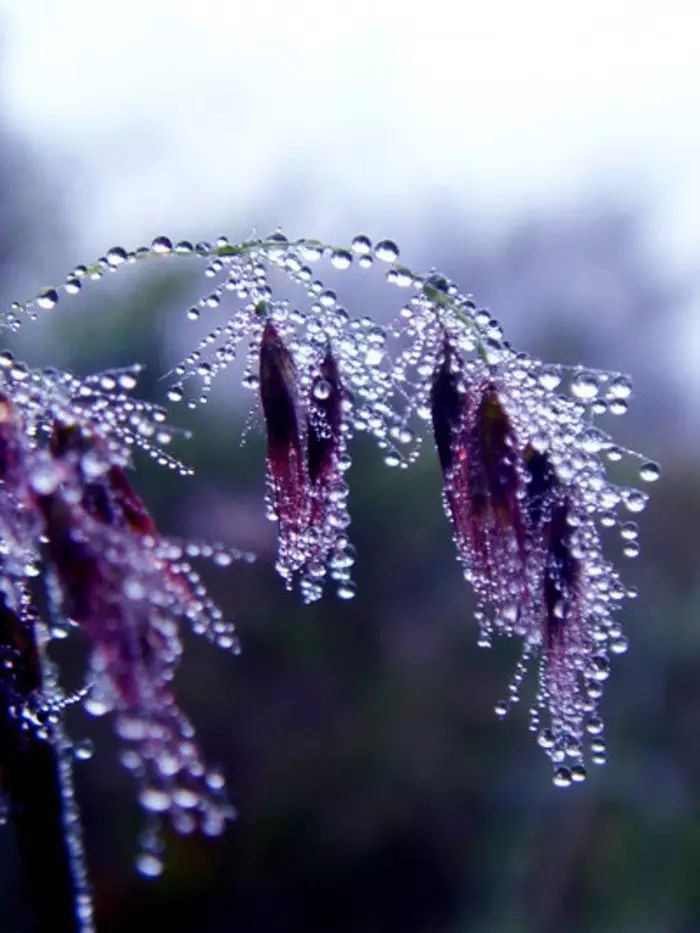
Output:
x,y
325,419
541,482
447,406
493,475
287,473
10,448
278,393
561,574
482,482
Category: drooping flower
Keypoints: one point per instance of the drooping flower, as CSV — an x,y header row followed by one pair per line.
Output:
x,y
67,509
525,471
306,449
525,492
286,470
482,485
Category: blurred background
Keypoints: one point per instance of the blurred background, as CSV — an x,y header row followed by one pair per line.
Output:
x,y
548,158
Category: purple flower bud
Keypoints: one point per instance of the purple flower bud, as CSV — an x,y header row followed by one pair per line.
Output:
x,y
9,444
125,586
305,445
324,421
286,469
481,482
326,541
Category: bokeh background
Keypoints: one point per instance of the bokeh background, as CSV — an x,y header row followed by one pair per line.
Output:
x,y
547,157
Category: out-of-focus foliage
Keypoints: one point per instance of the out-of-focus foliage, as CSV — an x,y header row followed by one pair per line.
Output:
x,y
376,790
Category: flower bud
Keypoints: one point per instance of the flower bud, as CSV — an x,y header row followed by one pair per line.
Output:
x,y
286,470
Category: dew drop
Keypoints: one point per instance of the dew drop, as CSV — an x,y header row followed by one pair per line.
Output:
x,y
116,256
562,777
83,750
618,406
321,389
154,799
96,706
635,501
650,472
549,378
387,251
48,299
149,865
361,244
128,381
584,386
311,251
341,259
161,244
620,387
346,590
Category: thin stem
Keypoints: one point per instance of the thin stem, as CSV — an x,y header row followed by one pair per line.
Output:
x,y
96,270
38,786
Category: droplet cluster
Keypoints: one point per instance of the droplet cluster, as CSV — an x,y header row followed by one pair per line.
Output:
x,y
69,517
528,473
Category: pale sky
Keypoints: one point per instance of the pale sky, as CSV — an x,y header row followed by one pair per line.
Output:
x,y
198,118
199,108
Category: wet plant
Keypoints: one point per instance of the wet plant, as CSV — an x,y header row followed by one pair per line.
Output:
x,y
527,492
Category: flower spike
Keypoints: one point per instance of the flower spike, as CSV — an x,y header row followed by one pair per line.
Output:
x,y
477,451
305,459
286,470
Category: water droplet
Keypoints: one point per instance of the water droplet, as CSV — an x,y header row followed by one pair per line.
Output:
x,y
620,387
346,590
549,378
128,381
584,386
562,777
341,259
116,256
154,799
650,471
619,645
618,406
635,500
44,479
96,706
175,394
387,251
83,750
161,244
361,244
321,389
48,299
149,865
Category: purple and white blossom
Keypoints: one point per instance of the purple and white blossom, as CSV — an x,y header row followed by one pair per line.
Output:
x,y
525,468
